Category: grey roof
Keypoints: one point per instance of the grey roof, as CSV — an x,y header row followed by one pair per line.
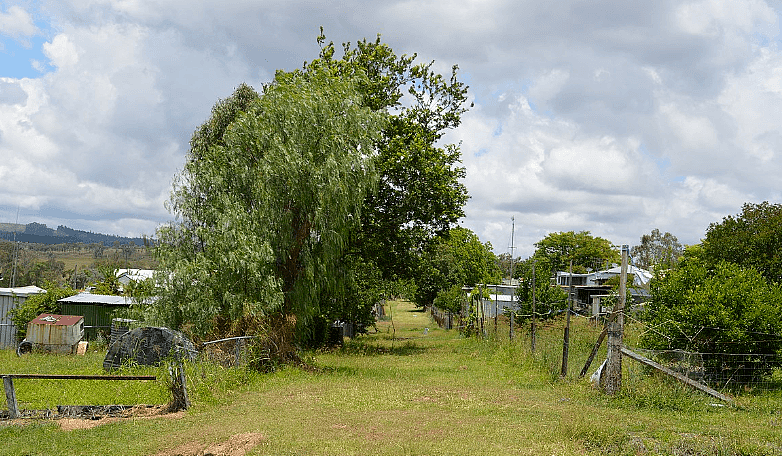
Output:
x,y
89,298
22,292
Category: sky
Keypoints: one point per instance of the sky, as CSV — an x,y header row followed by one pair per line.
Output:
x,y
610,116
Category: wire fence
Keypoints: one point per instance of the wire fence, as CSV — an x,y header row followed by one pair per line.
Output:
x,y
726,372
229,352
731,373
443,318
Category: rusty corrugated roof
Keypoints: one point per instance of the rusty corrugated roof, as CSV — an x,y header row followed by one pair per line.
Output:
x,y
57,320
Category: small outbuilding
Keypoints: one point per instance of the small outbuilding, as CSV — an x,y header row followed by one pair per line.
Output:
x,y
54,333
98,311
11,298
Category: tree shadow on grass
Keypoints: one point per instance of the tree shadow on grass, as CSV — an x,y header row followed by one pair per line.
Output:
x,y
368,348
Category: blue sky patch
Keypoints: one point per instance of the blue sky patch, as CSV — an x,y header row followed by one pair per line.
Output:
x,y
16,60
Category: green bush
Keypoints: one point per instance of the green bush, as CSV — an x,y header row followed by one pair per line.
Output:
x,y
37,304
716,310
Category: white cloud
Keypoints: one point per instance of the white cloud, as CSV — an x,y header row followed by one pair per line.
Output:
x,y
547,86
61,52
612,116
17,23
752,99
714,17
693,131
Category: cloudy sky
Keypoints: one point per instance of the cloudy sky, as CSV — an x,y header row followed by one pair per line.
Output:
x,y
610,116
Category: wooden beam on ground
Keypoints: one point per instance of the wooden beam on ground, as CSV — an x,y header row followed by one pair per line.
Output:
x,y
676,375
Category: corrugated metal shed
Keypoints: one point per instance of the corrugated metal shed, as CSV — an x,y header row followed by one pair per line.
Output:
x,y
56,333
9,299
98,311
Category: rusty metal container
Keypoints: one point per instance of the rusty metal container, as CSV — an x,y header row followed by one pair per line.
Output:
x,y
55,333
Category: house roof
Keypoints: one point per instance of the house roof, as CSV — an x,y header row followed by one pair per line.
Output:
x,y
642,276
89,298
137,275
21,291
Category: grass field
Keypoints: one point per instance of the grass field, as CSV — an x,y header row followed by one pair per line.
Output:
x,y
404,390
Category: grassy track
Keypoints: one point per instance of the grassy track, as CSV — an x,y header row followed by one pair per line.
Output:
x,y
403,391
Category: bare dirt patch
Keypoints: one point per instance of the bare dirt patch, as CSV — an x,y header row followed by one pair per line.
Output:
x,y
72,418
236,445
140,412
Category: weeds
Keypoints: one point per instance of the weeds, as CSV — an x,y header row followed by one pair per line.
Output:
x,y
423,393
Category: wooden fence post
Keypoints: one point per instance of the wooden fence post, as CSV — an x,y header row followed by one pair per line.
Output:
x,y
566,340
512,317
612,375
10,397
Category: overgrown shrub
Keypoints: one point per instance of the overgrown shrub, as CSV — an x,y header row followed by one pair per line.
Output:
x,y
715,310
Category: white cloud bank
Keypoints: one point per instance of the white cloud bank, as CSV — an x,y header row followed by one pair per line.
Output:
x,y
612,116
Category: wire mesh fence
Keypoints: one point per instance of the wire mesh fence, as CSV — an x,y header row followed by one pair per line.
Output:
x,y
229,352
726,372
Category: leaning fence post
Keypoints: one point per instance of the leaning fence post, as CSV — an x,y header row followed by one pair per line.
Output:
x,y
183,385
179,399
10,397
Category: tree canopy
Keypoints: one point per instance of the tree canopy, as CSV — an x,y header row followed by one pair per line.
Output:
x,y
265,209
752,238
713,309
451,262
419,194
556,250
657,250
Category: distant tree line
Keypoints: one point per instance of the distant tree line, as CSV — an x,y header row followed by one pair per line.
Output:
x,y
37,233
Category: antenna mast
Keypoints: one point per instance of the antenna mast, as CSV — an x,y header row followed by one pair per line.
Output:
x,y
512,232
16,250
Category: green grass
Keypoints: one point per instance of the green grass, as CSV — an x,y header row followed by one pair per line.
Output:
x,y
400,391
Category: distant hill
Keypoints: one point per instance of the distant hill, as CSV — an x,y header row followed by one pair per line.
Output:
x,y
38,233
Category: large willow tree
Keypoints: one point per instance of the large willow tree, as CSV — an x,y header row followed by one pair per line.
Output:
x,y
272,186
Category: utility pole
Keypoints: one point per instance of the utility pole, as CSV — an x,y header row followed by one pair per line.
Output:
x,y
16,249
612,374
532,328
512,287
566,341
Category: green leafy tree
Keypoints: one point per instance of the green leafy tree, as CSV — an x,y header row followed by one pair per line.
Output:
x,y
550,299
37,304
106,281
415,196
752,238
716,309
554,252
419,194
657,250
451,262
266,210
